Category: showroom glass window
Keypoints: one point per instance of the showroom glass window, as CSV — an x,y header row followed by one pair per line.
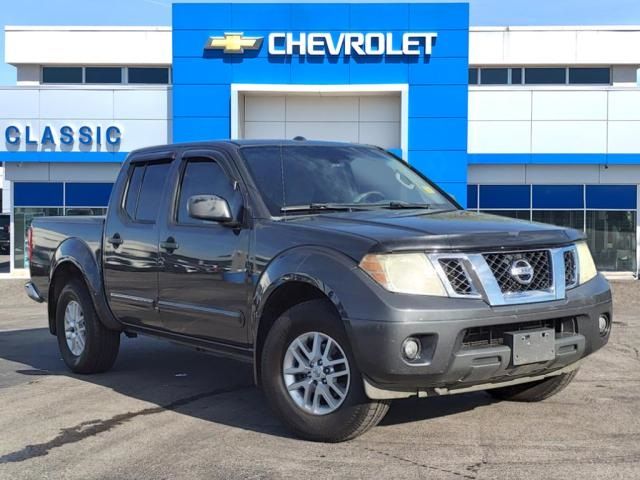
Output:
x,y
494,76
103,75
612,239
562,218
606,213
589,76
515,214
545,76
149,75
22,218
62,75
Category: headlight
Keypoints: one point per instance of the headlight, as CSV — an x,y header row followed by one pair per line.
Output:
x,y
410,273
586,267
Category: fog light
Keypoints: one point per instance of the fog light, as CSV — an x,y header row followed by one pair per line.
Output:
x,y
411,348
603,324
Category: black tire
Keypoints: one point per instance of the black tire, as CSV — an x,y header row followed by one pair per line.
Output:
x,y
354,416
101,344
534,391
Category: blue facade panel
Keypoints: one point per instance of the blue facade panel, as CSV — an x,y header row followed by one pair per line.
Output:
x,y
505,196
623,197
472,196
437,82
334,16
558,196
38,194
87,194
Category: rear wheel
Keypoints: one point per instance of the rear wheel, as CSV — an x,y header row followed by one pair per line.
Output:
x,y
534,391
86,345
311,379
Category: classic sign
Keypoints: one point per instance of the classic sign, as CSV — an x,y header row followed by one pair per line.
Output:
x,y
65,135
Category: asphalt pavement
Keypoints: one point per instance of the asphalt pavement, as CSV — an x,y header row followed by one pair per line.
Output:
x,y
168,412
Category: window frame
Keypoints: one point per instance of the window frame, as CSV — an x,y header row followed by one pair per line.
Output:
x,y
494,69
523,71
221,158
124,75
147,67
84,75
167,157
587,67
43,67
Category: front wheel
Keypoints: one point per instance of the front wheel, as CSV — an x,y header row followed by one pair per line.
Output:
x,y
310,378
534,391
86,345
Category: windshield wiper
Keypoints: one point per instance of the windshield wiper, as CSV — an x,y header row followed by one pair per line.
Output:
x,y
397,204
316,207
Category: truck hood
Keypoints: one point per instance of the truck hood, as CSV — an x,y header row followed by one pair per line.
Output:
x,y
401,230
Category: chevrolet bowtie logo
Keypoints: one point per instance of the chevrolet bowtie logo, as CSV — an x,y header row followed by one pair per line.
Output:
x,y
233,43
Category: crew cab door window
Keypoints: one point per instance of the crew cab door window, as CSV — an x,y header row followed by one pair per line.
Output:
x,y
203,177
133,190
145,190
151,191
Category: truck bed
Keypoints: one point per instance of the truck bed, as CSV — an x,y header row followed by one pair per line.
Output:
x,y
48,234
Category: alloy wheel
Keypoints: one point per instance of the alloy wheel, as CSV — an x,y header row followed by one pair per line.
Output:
x,y
74,328
316,373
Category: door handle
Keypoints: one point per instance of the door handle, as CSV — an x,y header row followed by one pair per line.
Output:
x,y
116,241
169,245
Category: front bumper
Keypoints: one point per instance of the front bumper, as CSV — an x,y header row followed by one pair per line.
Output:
x,y
447,364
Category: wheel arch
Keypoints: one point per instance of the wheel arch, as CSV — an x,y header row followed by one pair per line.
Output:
x,y
75,259
298,275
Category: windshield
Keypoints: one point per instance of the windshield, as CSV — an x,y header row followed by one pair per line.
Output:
x,y
307,178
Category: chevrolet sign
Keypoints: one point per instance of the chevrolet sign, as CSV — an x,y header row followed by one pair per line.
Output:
x,y
318,44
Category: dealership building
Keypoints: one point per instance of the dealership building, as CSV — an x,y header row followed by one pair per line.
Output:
x,y
535,123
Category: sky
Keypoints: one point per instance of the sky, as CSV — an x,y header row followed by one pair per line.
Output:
x,y
158,12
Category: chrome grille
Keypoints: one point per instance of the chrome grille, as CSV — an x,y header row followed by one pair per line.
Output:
x,y
570,268
501,264
457,276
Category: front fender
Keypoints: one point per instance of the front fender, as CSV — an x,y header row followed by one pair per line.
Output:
x,y
75,251
331,272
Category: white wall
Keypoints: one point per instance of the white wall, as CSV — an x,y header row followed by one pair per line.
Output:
x,y
88,45
554,174
554,120
593,45
141,114
62,172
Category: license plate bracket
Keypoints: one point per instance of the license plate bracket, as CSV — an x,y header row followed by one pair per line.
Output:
x,y
531,346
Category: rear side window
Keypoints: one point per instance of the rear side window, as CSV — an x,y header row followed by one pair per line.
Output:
x,y
131,201
145,190
203,177
151,191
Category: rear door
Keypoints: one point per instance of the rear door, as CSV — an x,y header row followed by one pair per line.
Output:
x,y
203,289
131,262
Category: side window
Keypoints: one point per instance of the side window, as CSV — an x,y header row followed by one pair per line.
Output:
x,y
133,190
151,191
202,177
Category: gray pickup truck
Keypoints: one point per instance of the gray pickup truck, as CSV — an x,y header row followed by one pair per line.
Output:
x,y
342,274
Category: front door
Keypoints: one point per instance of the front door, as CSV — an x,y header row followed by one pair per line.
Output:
x,y
203,281
131,262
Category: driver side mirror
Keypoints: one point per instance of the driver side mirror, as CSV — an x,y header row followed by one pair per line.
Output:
x,y
209,207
